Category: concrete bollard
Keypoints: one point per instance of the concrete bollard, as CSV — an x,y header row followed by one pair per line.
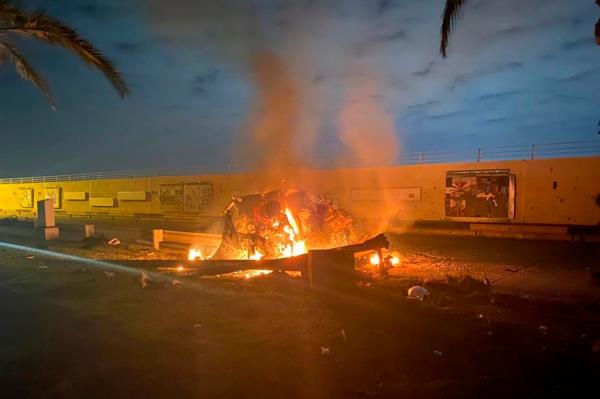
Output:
x,y
89,231
46,222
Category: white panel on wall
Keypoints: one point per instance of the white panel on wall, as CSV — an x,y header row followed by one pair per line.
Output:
x,y
393,194
102,201
131,195
75,195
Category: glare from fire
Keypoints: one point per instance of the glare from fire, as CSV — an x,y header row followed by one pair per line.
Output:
x,y
374,259
395,261
195,254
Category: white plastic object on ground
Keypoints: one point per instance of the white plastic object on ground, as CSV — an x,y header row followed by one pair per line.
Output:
x,y
418,292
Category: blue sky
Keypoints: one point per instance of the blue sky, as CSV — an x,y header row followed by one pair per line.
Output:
x,y
359,72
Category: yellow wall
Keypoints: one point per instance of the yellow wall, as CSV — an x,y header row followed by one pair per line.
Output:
x,y
572,202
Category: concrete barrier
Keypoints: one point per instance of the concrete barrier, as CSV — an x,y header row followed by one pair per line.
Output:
x,y
203,240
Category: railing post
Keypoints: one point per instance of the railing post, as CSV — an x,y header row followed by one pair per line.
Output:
x,y
478,154
420,157
532,152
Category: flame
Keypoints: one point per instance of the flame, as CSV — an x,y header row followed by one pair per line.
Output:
x,y
257,255
194,254
295,247
374,259
395,261
255,273
291,220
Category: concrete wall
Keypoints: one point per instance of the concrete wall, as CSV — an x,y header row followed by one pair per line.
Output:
x,y
549,191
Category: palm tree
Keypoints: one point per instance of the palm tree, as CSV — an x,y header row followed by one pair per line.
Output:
x,y
452,13
15,22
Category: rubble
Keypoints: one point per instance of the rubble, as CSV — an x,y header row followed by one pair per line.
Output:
x,y
144,280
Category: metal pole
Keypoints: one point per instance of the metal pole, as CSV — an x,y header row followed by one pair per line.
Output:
x,y
532,152
478,154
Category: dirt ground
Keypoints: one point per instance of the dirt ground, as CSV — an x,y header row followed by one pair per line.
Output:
x,y
71,329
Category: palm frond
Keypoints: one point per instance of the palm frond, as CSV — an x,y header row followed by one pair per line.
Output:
x,y
41,26
11,52
449,16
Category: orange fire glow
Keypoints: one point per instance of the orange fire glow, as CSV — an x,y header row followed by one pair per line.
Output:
x,y
255,273
374,259
195,254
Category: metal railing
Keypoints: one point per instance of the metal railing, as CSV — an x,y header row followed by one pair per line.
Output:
x,y
482,154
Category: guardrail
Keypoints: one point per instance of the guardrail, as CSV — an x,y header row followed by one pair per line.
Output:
x,y
497,153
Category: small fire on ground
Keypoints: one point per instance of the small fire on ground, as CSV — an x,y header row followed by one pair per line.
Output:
x,y
390,259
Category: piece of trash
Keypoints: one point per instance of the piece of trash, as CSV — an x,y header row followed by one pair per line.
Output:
x,y
438,353
42,267
489,333
343,333
197,325
30,257
418,292
176,282
508,269
480,316
325,350
144,280
109,274
543,328
114,241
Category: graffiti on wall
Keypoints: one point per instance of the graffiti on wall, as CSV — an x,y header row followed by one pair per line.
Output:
x,y
197,197
171,197
480,194
25,197
189,197
53,193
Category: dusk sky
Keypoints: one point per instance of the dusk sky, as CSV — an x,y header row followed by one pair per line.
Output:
x,y
518,71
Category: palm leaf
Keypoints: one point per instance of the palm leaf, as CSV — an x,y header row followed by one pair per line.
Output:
x,y
41,26
11,52
449,16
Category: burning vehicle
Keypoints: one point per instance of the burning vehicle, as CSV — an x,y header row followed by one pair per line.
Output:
x,y
284,223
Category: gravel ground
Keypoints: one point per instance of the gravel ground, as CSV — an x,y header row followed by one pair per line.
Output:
x,y
72,329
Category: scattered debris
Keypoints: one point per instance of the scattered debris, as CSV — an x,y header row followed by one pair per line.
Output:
x,y
325,350
343,333
114,241
109,274
197,325
543,329
144,280
30,257
42,267
480,316
438,353
508,269
418,292
176,283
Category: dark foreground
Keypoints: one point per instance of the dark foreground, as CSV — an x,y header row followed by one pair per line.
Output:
x,y
70,331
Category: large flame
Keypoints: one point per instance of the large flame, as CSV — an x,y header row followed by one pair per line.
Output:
x,y
295,246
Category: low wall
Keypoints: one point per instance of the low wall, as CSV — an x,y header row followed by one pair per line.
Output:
x,y
549,191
